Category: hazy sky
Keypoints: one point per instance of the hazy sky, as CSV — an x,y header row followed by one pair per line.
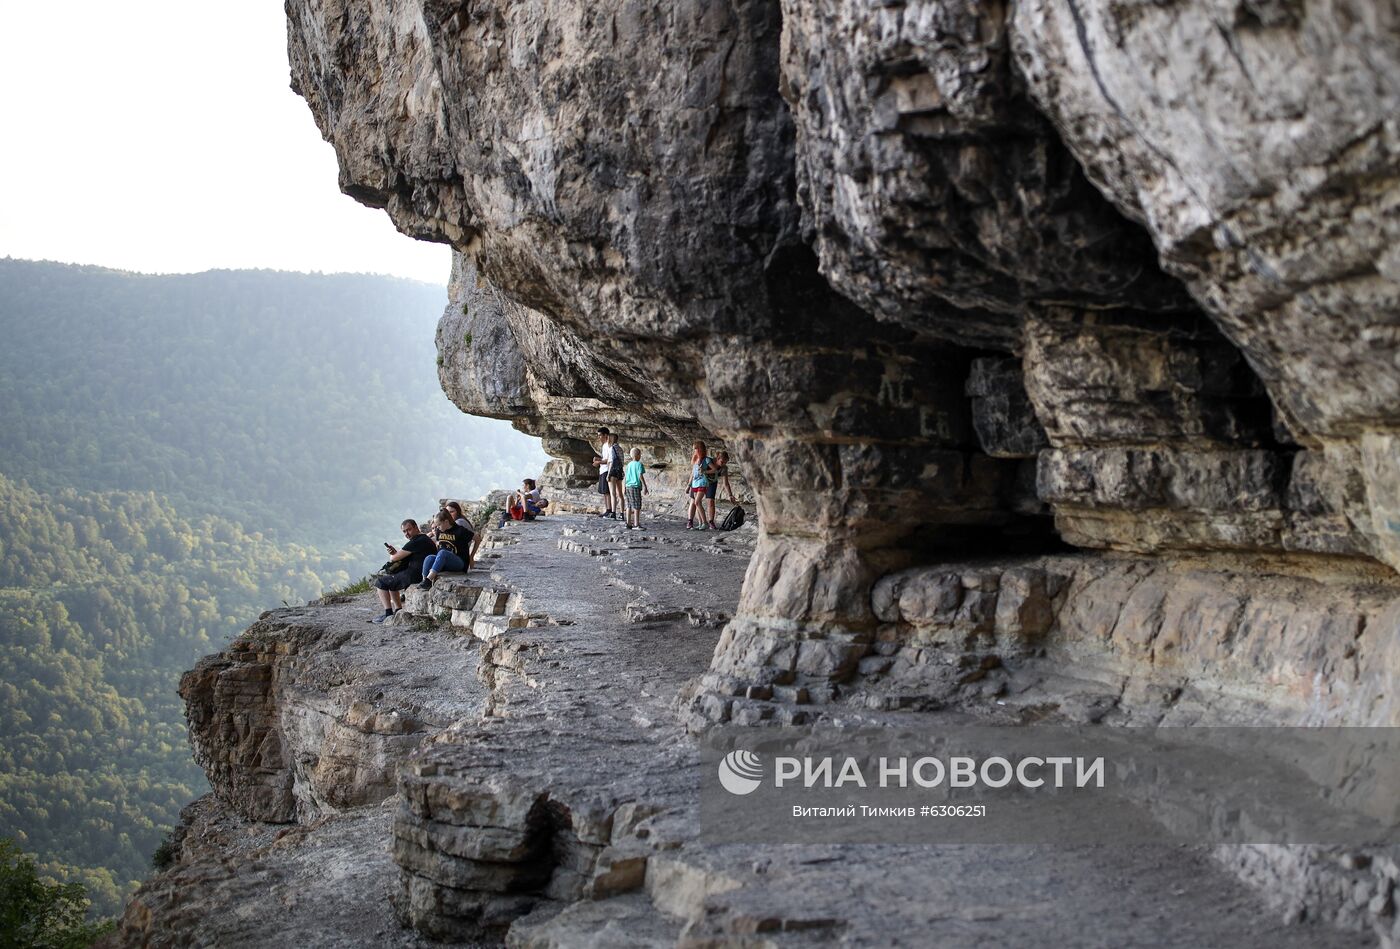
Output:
x,y
161,136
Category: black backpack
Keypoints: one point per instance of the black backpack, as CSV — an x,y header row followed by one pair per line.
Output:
x,y
733,520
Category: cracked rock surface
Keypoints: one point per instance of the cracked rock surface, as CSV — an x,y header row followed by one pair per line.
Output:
x,y
565,811
1053,340
310,709
944,276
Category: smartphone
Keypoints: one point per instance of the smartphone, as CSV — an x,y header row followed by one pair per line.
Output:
x,y
389,547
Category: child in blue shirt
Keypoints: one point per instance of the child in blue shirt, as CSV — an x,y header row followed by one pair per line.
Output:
x,y
634,485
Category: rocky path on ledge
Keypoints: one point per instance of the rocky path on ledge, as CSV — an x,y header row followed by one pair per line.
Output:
x,y
563,811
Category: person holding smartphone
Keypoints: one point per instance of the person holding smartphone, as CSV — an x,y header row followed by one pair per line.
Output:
x,y
390,586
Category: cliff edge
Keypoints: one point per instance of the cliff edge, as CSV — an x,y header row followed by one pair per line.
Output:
x,y
1053,339
534,713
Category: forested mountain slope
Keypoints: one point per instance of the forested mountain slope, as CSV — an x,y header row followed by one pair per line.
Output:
x,y
273,398
178,454
104,598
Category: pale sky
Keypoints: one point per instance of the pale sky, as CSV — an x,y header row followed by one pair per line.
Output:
x,y
162,136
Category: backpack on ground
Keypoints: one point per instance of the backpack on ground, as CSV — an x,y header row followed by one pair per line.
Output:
x,y
733,520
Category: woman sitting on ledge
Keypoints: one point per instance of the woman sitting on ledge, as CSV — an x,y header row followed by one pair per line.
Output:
x,y
458,517
454,544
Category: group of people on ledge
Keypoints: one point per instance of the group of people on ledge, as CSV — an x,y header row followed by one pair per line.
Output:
x,y
623,484
445,546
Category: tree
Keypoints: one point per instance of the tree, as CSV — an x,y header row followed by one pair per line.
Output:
x,y
177,454
39,915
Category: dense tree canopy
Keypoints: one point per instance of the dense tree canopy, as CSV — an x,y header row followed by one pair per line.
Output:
x,y
178,454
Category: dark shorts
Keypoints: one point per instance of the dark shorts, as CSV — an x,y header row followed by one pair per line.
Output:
x,y
710,490
402,580
615,474
603,483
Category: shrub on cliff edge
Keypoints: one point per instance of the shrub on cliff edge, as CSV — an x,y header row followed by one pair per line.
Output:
x,y
39,915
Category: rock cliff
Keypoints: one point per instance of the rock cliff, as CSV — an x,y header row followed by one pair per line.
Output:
x,y
1051,337
947,276
532,712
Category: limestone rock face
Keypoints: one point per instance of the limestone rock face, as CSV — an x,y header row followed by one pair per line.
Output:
x,y
1138,641
935,193
322,884
560,808
561,146
943,275
296,719
1257,144
501,359
1053,341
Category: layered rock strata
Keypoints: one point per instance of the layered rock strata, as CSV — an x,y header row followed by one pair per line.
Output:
x,y
583,662
291,721
951,279
806,231
301,725
1264,172
320,884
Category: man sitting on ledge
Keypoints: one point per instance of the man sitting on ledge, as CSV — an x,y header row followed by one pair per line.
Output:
x,y
390,586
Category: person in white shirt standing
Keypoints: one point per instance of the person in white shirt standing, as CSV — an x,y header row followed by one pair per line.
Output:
x,y
604,462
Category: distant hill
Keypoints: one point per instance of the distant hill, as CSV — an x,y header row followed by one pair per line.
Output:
x,y
276,399
177,454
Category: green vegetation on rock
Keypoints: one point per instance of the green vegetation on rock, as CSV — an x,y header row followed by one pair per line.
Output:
x,y
351,589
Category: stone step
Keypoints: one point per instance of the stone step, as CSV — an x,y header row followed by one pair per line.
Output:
x,y
487,628
457,593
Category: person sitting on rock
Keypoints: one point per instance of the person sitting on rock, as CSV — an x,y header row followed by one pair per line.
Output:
x,y
458,516
390,586
532,498
634,482
718,470
527,503
454,545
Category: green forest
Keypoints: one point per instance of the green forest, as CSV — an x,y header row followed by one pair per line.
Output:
x,y
177,454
